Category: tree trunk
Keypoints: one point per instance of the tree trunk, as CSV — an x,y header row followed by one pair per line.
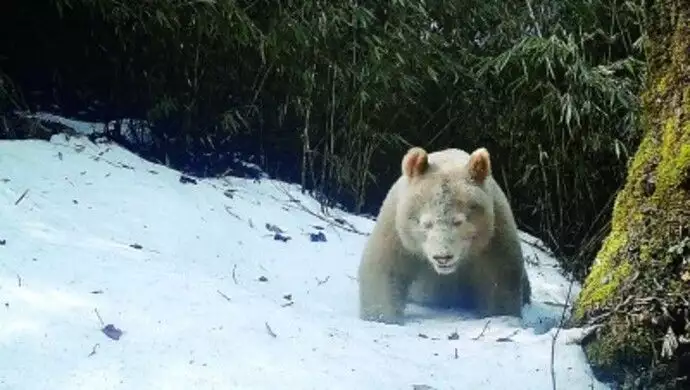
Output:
x,y
638,289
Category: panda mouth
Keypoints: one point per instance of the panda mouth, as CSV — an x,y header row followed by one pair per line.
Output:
x,y
445,268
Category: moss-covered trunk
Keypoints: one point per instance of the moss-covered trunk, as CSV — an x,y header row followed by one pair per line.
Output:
x,y
639,287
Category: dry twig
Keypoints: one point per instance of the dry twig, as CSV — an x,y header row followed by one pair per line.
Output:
x,y
345,226
93,350
320,282
227,209
508,338
21,197
555,336
481,334
270,331
99,317
227,298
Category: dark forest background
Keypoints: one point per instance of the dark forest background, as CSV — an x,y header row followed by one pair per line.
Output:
x,y
330,94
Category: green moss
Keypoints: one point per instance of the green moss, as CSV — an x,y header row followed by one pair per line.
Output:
x,y
608,270
675,155
637,240
651,214
605,277
662,85
607,354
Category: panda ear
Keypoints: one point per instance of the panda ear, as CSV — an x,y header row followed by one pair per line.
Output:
x,y
415,162
479,166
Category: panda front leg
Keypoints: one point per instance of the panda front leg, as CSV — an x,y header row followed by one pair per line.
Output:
x,y
384,284
382,301
498,295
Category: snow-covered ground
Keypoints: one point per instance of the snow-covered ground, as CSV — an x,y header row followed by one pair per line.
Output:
x,y
206,294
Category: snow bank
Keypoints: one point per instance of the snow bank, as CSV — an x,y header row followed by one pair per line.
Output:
x,y
225,284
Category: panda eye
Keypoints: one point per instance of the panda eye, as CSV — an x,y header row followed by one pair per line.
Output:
x,y
457,222
474,207
427,224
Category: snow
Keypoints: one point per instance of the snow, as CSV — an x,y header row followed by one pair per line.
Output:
x,y
206,297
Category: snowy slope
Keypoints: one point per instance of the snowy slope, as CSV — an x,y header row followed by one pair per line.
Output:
x,y
206,297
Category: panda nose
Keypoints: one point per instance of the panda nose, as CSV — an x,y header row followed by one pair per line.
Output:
x,y
443,259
